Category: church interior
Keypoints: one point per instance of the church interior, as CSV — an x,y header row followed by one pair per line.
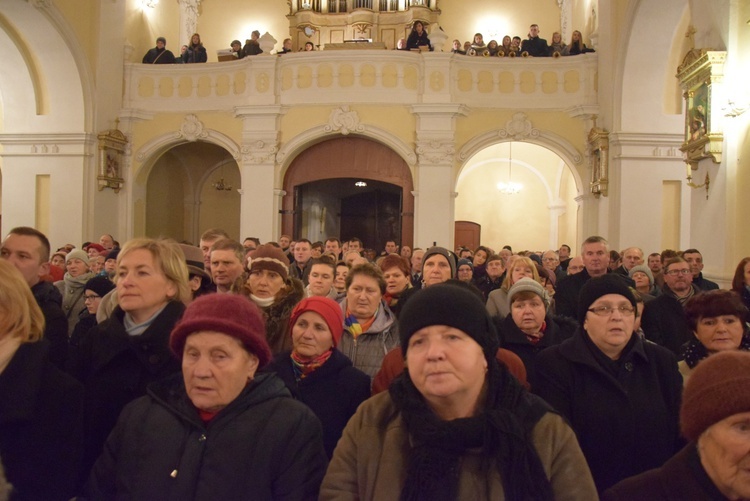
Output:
x,y
642,140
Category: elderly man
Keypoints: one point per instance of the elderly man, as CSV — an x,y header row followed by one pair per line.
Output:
x,y
575,265
227,265
664,321
551,261
595,255
695,260
416,267
631,257
107,241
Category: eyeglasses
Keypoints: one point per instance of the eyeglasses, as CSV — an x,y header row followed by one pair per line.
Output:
x,y
674,273
606,311
90,297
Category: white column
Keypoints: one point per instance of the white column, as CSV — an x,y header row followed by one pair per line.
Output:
x,y
434,213
188,20
259,194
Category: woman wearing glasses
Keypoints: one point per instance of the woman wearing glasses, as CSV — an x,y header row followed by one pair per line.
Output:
x,y
620,394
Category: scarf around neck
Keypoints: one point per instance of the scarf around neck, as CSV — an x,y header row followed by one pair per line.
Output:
x,y
501,431
352,325
303,368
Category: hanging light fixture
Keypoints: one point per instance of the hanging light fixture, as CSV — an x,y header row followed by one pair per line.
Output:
x,y
509,188
221,185
360,184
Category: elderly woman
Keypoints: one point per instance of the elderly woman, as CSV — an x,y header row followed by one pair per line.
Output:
x,y
397,274
530,327
717,319
497,300
41,414
620,394
316,373
71,286
644,281
119,357
370,329
464,271
741,281
219,430
270,286
715,418
455,425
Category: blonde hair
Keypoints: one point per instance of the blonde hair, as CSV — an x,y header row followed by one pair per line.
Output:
x,y
168,257
526,262
20,315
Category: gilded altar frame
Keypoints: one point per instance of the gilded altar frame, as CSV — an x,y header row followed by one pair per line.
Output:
x,y
598,142
112,145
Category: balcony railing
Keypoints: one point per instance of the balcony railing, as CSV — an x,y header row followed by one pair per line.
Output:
x,y
345,6
364,76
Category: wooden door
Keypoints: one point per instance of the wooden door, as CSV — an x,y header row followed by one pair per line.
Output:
x,y
467,234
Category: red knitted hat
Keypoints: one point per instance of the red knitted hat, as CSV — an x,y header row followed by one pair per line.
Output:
x,y
230,314
268,257
327,308
719,387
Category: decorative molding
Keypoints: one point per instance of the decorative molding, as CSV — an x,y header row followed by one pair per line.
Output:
x,y
314,135
436,151
546,139
165,141
345,121
260,152
519,128
191,129
188,19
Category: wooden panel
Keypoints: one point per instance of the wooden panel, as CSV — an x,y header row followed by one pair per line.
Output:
x,y
467,234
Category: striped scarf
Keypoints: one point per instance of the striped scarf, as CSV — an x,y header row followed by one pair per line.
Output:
x,y
352,325
303,368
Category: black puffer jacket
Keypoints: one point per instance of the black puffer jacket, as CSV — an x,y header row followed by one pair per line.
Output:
x,y
264,445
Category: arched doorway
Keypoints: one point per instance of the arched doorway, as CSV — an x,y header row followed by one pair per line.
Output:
x,y
542,215
323,200
190,188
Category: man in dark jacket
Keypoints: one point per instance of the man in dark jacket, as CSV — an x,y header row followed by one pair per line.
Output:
x,y
159,54
535,46
664,321
695,259
28,250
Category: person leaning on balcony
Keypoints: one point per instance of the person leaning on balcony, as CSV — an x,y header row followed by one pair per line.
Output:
x,y
576,45
535,46
252,46
418,37
196,52
159,54
236,48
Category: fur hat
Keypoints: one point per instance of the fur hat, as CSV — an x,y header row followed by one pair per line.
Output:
x,y
601,286
718,387
527,284
643,269
230,314
326,308
443,252
451,305
268,257
77,254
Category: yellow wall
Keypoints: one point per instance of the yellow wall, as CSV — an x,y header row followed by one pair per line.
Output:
x,y
83,18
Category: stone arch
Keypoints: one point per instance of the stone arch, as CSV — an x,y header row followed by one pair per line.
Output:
x,y
548,140
322,133
377,161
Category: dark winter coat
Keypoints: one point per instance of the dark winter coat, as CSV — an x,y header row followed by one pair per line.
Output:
x,y
567,291
158,56
704,284
626,424
557,330
682,478
333,392
664,322
416,40
41,426
55,324
264,445
277,318
536,47
115,369
195,54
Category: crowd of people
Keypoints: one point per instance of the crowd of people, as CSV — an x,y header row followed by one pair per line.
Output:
x,y
303,370
418,40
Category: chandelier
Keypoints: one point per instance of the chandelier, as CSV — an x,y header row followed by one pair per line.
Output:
x,y
221,185
509,188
